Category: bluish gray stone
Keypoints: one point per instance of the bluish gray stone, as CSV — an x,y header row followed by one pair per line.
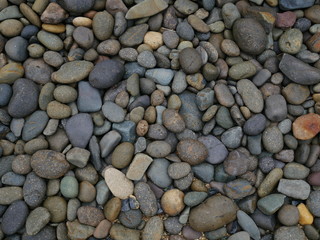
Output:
x,y
247,224
10,12
255,125
190,112
113,112
185,31
34,190
34,125
254,144
15,217
24,100
223,118
89,99
205,99
298,189
192,199
109,142
95,153
296,4
103,192
161,76
276,107
76,6
13,179
158,172
79,129
133,67
232,137
127,130
16,49
204,172
267,222
5,94
271,203
5,164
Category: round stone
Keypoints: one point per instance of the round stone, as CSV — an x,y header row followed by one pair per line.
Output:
x,y
249,35
192,151
57,207
190,60
288,215
69,187
16,48
172,202
122,155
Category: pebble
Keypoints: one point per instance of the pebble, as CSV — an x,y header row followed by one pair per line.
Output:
x,y
306,217
192,199
16,48
298,189
89,215
214,213
57,207
134,35
119,185
190,60
24,99
192,151
272,139
79,129
153,229
249,35
120,232
251,95
37,220
295,171
69,187
160,75
246,222
77,230
131,218
113,112
306,127
288,215
271,203
238,189
158,172
138,167
72,72
284,233
232,137
146,198
291,41
172,202
8,74
270,182
14,217
158,149
34,190
146,9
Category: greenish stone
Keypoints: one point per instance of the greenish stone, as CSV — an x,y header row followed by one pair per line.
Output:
x,y
69,187
271,203
242,70
192,199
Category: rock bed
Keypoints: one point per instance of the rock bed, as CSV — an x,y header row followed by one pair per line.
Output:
x,y
159,119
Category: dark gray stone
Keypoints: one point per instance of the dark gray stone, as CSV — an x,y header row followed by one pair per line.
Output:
x,y
255,125
89,99
16,49
34,190
34,125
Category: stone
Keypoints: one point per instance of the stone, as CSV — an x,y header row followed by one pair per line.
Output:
x,y
114,71
158,172
249,35
119,185
247,224
102,25
298,189
49,164
294,170
24,99
272,139
158,149
113,112
131,218
291,41
134,35
50,40
138,167
16,48
295,93
288,5
34,125
232,137
14,217
79,129
37,220
11,72
192,151
179,170
57,207
285,233
185,31
153,229
293,67
146,9
172,202
270,182
217,152
255,125
87,192
214,213
120,232
76,7
271,203
192,199
238,189
10,194
69,187
108,142
38,71
89,215
306,127
72,72
186,6
34,190
251,95
77,230
288,215
190,60
243,70
146,198
160,75
102,230
276,108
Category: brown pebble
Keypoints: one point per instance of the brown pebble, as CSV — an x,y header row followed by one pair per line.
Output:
x,y
142,128
172,202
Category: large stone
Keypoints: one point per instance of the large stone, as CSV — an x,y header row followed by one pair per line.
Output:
x,y
214,213
119,185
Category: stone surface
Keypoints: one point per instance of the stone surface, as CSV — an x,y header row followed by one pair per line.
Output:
x,y
192,151
298,189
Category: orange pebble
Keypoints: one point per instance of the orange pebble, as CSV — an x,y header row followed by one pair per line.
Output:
x,y
306,217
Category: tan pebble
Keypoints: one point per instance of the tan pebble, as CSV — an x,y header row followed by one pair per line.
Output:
x,y
58,110
150,114
142,128
82,22
157,98
198,186
153,39
316,97
172,202
245,112
11,27
144,47
87,192
54,28
174,102
112,209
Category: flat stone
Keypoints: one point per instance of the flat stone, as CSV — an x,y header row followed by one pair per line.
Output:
x,y
298,189
288,5
134,35
10,194
238,189
271,203
50,40
146,9
306,127
89,215
146,198
34,190
214,213
119,185
11,72
158,173
77,230
192,199
72,72
247,224
138,167
113,112
160,75
285,233
251,95
34,125
158,149
217,152
120,232
109,142
243,70
192,151
153,229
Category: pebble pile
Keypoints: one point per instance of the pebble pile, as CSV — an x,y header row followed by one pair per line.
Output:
x,y
159,119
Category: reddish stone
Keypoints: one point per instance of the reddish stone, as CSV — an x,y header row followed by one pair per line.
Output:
x,y
306,126
286,19
313,43
314,179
